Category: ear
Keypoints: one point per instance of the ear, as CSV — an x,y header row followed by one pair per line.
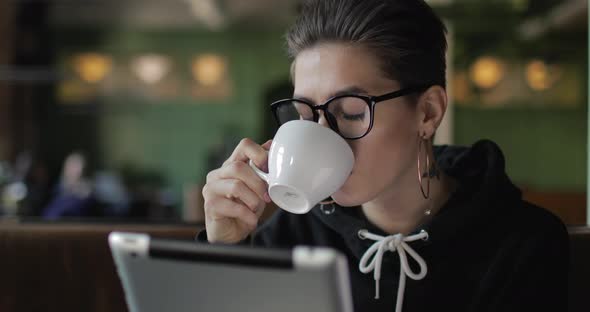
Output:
x,y
432,106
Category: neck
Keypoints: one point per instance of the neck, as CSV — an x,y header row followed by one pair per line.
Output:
x,y
401,208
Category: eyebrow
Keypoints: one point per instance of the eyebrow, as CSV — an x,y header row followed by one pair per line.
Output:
x,y
345,91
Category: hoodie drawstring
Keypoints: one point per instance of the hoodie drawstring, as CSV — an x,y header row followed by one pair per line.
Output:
x,y
394,243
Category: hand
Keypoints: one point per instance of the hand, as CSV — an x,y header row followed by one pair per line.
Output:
x,y
235,196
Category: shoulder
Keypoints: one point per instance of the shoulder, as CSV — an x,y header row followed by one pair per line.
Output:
x,y
538,219
539,226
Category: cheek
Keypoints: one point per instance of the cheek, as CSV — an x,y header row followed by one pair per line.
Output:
x,y
387,145
375,155
381,158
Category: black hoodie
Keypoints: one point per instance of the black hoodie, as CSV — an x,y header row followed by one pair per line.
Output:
x,y
487,249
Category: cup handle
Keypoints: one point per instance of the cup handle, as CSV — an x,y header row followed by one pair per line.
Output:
x,y
260,173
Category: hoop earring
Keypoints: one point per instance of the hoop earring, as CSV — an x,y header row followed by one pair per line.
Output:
x,y
421,140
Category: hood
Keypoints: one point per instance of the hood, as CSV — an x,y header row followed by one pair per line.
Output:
x,y
483,195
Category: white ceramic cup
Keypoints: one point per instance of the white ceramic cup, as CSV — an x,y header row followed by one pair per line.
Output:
x,y
307,163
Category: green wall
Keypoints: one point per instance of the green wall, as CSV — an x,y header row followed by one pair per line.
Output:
x,y
545,148
173,137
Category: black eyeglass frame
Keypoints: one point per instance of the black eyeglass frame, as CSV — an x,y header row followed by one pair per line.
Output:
x,y
370,100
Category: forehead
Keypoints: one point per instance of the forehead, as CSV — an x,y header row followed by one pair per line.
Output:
x,y
328,68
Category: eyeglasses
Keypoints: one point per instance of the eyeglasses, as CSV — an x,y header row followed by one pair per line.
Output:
x,y
350,115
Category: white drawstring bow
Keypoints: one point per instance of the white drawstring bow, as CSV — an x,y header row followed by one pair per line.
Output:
x,y
394,243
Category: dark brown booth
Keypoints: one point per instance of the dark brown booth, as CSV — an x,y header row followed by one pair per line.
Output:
x,y
68,267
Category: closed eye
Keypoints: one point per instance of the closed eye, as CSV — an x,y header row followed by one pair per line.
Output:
x,y
356,117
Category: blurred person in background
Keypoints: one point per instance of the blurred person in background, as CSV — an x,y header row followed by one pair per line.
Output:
x,y
73,195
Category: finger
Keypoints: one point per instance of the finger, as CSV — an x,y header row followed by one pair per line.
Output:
x,y
212,175
225,208
234,189
241,171
267,145
260,210
249,150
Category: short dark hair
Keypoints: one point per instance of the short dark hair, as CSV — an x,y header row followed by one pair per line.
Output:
x,y
406,35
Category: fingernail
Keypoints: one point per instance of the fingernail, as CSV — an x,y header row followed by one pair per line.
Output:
x,y
267,198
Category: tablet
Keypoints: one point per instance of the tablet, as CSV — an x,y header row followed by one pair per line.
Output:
x,y
177,276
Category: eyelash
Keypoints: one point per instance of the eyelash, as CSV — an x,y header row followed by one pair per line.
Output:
x,y
354,117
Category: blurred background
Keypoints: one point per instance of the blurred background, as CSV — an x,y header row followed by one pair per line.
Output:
x,y
116,110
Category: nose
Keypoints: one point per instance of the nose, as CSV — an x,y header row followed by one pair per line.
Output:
x,y
322,120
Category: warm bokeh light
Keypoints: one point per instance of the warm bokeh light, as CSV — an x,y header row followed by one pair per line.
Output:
x,y
540,76
151,68
460,85
209,69
92,67
487,72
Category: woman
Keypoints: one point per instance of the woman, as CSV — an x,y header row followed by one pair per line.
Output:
x,y
471,242
74,195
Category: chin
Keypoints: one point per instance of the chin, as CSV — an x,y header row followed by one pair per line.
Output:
x,y
347,199
354,192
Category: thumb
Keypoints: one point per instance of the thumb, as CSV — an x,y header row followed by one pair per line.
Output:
x,y
267,145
